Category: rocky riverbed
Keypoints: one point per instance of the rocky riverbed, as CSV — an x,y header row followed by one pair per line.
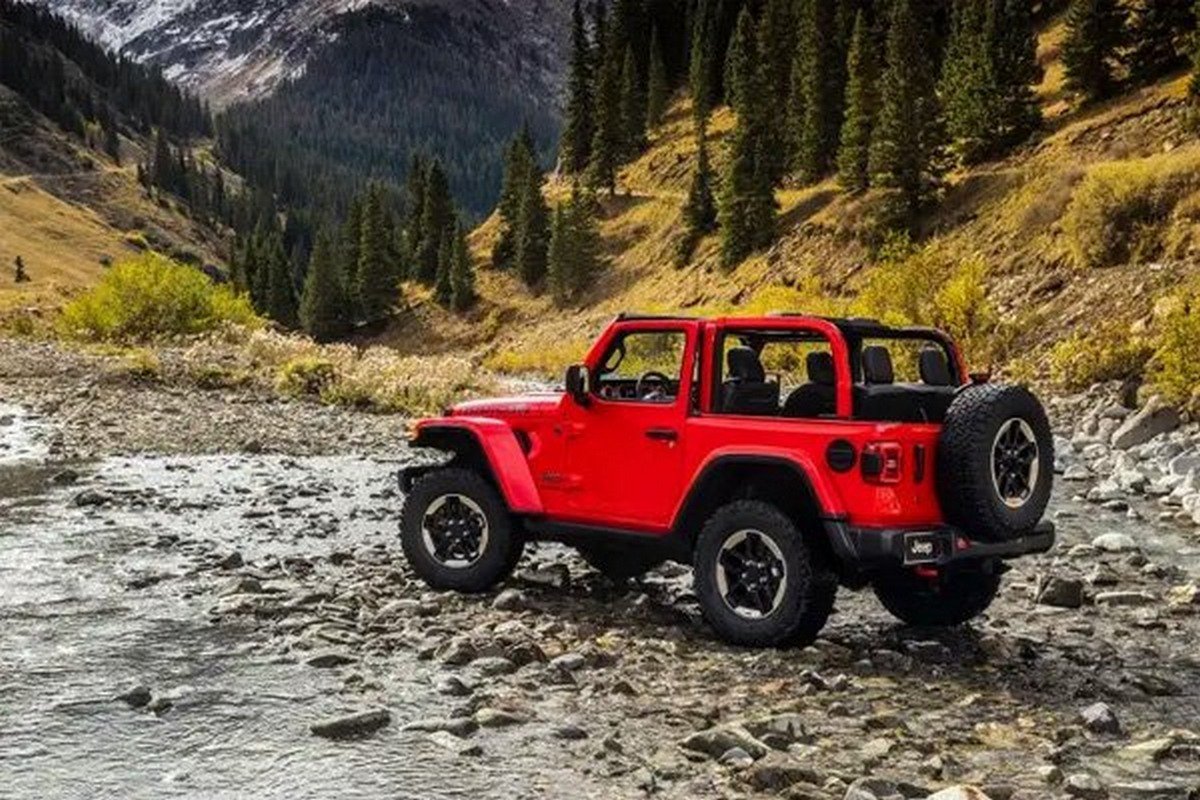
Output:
x,y
202,595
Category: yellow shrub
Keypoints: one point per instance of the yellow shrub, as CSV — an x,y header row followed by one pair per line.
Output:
x,y
1121,210
306,376
151,297
1107,353
1177,365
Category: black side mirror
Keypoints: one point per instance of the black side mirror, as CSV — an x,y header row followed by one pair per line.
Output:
x,y
578,383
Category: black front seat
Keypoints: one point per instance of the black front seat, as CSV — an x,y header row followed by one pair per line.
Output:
x,y
747,391
817,397
935,371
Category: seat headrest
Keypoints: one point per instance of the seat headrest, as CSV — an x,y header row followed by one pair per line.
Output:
x,y
877,365
935,371
820,368
744,365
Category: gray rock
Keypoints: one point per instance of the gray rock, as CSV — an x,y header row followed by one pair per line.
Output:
x,y
959,793
569,662
1118,598
459,653
452,686
778,771
494,665
1099,718
1049,773
1061,592
1156,418
873,789
715,742
498,718
736,757
510,600
570,733
459,726
1115,543
362,723
456,745
137,697
1184,464
1077,472
89,498
159,706
1085,787
329,659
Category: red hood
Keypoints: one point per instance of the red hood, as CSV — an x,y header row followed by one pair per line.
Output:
x,y
521,406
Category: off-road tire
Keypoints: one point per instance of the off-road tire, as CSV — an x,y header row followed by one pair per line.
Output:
x,y
967,491
950,599
808,594
504,543
619,565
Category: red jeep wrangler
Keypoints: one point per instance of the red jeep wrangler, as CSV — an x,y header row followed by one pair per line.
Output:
x,y
781,456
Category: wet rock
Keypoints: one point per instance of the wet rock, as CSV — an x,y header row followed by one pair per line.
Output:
x,y
736,758
715,742
569,732
498,718
873,789
1156,418
349,726
137,697
66,476
462,726
1084,786
960,793
329,659
1124,598
1100,718
778,771
90,498
456,745
1061,592
452,686
1115,543
510,600
159,706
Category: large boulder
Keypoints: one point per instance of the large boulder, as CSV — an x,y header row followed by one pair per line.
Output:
x,y
1155,418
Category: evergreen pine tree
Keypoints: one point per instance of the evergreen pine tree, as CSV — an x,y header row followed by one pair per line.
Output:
x,y
520,166
462,273
633,107
559,256
971,95
778,41
374,284
443,289
576,144
1013,44
1194,86
816,70
1094,34
906,143
607,140
862,104
437,217
281,289
747,199
414,196
1157,36
533,236
324,305
574,250
700,209
258,267
703,59
659,88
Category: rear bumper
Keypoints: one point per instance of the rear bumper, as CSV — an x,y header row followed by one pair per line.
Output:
x,y
875,548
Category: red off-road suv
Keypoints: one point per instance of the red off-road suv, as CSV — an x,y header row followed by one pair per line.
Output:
x,y
781,456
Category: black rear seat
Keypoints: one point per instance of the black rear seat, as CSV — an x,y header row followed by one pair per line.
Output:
x,y
880,399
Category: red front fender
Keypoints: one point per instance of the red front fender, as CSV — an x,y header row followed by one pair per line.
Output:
x,y
486,444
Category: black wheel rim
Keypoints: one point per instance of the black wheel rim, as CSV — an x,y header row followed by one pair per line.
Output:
x,y
455,531
751,574
1015,463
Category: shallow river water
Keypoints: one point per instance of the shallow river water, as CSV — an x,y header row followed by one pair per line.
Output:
x,y
73,635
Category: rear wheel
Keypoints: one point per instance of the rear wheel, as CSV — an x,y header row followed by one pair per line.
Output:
x,y
619,565
457,533
948,599
758,581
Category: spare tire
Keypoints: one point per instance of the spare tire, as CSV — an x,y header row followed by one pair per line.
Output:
x,y
995,462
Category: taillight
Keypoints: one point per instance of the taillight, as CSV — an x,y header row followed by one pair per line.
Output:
x,y
883,462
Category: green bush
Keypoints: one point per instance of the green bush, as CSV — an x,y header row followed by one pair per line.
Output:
x,y
1107,353
1121,211
307,376
1177,368
151,297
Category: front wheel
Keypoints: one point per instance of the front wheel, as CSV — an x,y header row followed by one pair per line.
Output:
x,y
457,533
759,582
942,601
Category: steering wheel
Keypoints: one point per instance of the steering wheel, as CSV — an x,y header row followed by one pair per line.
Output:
x,y
642,389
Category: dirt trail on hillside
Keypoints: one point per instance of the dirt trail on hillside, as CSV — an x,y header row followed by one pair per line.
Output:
x,y
250,580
